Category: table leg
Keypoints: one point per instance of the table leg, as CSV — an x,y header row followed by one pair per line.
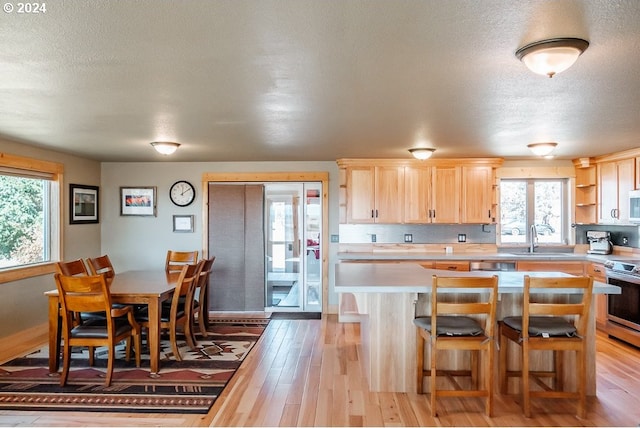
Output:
x,y
55,330
204,306
154,334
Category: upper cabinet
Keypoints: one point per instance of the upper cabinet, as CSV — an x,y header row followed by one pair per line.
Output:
x,y
431,194
478,194
406,191
615,179
374,194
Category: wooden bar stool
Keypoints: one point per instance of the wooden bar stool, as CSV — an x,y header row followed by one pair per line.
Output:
x,y
467,326
544,326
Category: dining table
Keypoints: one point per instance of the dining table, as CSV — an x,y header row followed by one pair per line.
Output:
x,y
136,287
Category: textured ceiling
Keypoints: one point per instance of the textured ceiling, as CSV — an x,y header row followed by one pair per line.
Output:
x,y
318,79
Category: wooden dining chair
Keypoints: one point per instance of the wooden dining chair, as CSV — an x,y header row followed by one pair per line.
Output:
x,y
91,294
458,326
201,293
177,259
101,265
547,324
178,314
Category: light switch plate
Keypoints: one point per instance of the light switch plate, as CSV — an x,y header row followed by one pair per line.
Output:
x,y
408,237
462,237
335,238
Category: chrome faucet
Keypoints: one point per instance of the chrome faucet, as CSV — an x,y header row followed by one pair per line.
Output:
x,y
533,239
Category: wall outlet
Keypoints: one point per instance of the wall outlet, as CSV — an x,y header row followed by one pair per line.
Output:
x,y
462,237
373,237
408,237
625,240
335,238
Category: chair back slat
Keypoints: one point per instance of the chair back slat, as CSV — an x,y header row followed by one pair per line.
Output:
x,y
101,265
83,293
177,259
72,268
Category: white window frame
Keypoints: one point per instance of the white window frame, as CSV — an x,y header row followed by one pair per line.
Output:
x,y
54,170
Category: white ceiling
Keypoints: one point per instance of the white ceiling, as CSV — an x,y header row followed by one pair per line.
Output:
x,y
287,80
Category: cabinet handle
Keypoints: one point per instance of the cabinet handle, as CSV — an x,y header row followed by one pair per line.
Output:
x,y
376,213
489,213
596,270
372,214
434,213
452,267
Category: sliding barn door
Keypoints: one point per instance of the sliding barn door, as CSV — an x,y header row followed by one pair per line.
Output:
x,y
236,239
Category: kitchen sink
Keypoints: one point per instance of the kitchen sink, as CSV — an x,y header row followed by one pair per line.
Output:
x,y
544,254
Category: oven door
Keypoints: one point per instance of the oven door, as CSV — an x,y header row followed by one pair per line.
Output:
x,y
624,308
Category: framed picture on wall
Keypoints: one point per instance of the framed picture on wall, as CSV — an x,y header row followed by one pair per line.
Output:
x,y
183,223
83,204
138,201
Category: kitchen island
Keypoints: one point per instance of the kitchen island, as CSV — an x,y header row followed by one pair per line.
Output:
x,y
388,296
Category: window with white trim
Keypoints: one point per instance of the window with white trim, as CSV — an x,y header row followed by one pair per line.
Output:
x,y
29,212
542,203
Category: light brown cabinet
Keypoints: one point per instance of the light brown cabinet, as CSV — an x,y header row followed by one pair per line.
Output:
x,y
615,180
459,266
394,191
431,194
477,194
573,268
596,270
375,194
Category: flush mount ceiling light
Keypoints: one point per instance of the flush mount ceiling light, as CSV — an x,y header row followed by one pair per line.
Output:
x,y
542,149
165,147
421,153
552,56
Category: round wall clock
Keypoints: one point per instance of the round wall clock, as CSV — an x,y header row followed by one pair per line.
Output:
x,y
182,193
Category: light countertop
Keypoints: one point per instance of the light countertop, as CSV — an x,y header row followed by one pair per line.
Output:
x,y
480,256
412,278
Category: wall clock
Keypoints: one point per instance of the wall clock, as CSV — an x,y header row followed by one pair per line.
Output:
x,y
182,193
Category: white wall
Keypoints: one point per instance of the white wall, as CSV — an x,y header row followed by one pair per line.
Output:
x,y
142,242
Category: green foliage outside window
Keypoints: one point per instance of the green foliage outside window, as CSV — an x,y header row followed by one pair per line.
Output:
x,y
21,220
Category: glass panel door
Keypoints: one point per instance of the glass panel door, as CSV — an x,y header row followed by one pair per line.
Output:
x,y
293,260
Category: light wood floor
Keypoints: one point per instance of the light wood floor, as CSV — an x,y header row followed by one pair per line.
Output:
x,y
308,373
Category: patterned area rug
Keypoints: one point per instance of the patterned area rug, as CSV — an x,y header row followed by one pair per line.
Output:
x,y
188,386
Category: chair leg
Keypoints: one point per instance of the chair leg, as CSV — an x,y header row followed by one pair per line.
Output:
x,y
558,378
502,362
188,334
419,362
582,381
489,378
474,369
138,344
201,321
174,344
66,362
433,386
112,356
526,393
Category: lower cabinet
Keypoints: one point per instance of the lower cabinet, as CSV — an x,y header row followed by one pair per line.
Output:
x,y
596,270
573,268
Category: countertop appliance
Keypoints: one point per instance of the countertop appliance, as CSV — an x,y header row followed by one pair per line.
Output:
x,y
599,242
623,310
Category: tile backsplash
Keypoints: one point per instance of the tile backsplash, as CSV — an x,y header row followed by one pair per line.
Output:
x,y
419,233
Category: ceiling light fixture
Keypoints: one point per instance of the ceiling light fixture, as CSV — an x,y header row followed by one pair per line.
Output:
x,y
165,147
551,56
421,153
542,149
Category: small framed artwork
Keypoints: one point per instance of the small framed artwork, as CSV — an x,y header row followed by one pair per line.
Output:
x,y
138,201
183,223
83,204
